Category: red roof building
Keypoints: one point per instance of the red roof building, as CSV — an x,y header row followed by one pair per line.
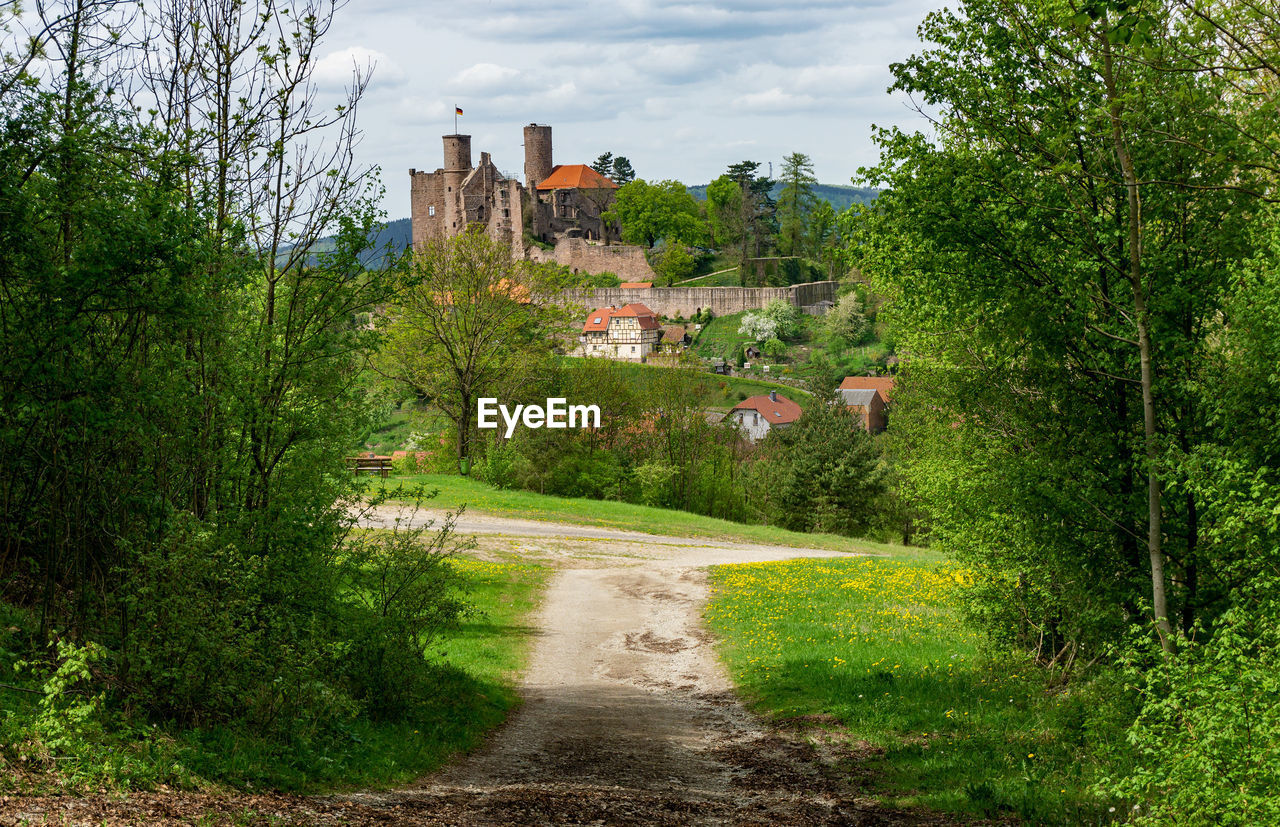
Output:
x,y
630,332
884,384
756,415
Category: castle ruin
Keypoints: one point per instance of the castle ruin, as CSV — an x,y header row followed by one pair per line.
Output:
x,y
563,205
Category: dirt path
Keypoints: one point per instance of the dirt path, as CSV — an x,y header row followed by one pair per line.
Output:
x,y
628,716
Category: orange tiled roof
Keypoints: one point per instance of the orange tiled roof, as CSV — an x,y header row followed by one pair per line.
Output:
x,y
598,319
575,177
648,319
884,384
775,413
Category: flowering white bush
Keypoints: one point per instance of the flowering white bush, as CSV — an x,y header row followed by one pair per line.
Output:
x,y
758,327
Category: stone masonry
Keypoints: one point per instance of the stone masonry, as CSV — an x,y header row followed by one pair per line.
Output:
x,y
624,260
444,203
685,301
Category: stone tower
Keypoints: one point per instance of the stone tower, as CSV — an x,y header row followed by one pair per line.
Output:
x,y
537,155
457,164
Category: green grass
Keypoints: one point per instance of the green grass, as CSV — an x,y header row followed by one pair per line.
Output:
x,y
392,434
479,497
718,337
475,690
873,648
714,392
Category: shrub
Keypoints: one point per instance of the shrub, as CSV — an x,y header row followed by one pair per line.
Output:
x,y
1207,740
402,594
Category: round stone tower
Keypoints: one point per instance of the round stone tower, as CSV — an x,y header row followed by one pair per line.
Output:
x,y
457,153
457,163
537,154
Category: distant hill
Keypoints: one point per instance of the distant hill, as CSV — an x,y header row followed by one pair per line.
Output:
x,y
840,197
390,241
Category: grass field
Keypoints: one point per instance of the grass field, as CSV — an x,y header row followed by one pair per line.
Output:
x,y
715,392
479,497
873,649
474,693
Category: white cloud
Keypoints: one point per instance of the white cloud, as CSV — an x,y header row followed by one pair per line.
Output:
x,y
336,71
484,77
772,100
415,110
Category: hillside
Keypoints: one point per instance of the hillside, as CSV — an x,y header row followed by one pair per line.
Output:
x,y
392,238
840,197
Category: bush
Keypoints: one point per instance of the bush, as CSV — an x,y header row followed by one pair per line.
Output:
x,y
496,467
1207,740
403,594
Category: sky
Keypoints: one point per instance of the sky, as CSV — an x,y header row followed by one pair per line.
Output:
x,y
682,88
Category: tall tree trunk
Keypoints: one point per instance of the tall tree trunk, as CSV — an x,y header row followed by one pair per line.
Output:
x,y
1155,549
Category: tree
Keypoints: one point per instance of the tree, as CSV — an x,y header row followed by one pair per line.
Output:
x,y
466,324
621,171
824,238
648,212
604,164
830,476
758,327
796,203
757,210
725,213
1094,259
180,367
845,323
673,263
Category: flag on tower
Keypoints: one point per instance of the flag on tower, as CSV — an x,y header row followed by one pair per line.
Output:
x,y
457,110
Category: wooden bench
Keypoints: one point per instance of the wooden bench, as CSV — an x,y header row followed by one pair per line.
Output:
x,y
370,465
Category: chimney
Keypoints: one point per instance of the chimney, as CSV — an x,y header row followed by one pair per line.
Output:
x,y
773,396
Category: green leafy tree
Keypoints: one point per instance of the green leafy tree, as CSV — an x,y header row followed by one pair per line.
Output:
x,y
1080,320
467,323
831,475
674,263
824,239
648,212
725,213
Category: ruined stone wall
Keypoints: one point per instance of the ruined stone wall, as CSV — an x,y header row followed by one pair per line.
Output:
x,y
426,206
627,261
685,301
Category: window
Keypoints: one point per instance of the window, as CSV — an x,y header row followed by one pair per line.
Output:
x,y
633,348
755,419
431,211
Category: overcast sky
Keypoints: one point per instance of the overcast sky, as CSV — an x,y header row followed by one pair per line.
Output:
x,y
683,88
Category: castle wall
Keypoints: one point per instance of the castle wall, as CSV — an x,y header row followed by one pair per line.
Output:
x,y
685,301
625,260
